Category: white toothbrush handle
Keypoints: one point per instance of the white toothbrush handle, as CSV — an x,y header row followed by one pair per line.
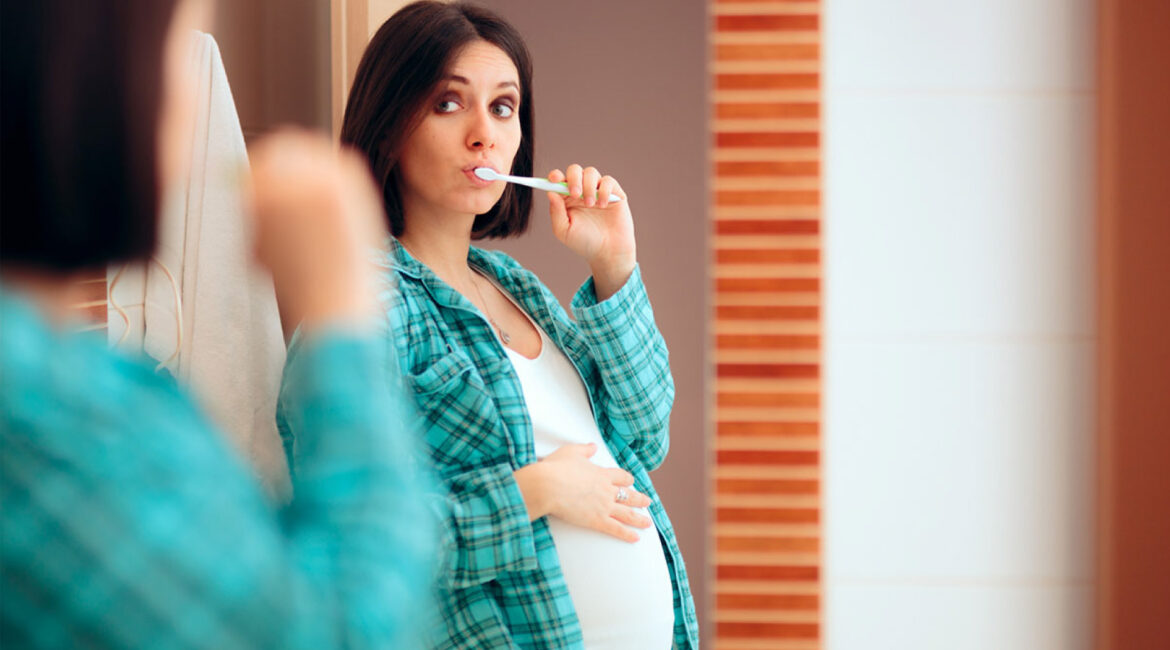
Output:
x,y
547,185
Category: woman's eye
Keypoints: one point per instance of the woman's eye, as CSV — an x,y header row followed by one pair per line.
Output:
x,y
447,106
502,110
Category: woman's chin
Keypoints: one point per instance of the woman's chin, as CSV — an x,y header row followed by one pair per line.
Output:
x,y
480,203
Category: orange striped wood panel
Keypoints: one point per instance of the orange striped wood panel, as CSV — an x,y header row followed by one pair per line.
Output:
x,y
766,234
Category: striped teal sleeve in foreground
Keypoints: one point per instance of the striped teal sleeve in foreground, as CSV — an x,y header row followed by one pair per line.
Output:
x,y
354,474
128,522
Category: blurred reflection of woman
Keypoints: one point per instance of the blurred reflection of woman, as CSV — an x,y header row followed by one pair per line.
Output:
x,y
542,427
128,521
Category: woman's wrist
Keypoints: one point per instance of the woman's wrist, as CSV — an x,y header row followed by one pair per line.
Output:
x,y
533,483
609,276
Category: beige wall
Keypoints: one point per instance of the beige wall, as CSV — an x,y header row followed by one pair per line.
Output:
x,y
622,86
277,57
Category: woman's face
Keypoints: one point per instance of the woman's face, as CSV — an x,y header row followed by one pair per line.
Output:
x,y
474,122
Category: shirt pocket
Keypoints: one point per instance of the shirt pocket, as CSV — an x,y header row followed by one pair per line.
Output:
x,y
462,426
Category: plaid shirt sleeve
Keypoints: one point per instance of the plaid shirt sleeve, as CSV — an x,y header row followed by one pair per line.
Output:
x,y
486,530
358,521
637,388
128,523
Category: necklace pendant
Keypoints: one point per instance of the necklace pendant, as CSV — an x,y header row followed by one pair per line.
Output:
x,y
503,335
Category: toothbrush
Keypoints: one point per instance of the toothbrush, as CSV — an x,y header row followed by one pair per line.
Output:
x,y
489,174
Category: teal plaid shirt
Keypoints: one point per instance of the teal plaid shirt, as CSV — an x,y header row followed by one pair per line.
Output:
x,y
128,522
503,585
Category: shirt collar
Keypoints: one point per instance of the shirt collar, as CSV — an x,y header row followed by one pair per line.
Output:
x,y
400,260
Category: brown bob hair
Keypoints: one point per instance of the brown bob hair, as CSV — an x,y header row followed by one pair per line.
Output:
x,y
82,95
398,76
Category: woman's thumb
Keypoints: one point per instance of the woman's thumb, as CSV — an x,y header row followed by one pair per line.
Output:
x,y
558,215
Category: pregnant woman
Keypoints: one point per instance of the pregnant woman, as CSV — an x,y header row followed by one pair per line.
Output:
x,y
542,428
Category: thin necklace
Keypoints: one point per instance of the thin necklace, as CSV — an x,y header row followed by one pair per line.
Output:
x,y
504,336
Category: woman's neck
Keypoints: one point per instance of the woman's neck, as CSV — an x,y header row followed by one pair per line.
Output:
x,y
442,244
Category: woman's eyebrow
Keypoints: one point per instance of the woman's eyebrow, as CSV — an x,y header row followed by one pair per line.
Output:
x,y
465,80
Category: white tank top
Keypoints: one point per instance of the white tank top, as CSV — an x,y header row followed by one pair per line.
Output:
x,y
622,591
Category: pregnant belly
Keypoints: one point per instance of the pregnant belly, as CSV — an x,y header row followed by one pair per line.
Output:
x,y
622,591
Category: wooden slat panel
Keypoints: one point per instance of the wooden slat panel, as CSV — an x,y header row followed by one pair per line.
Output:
x,y
796,256
783,472
766,249
767,428
777,630
742,154
764,183
767,370
767,284
768,298
763,486
765,444
757,341
767,81
780,66
768,458
767,242
767,139
734,572
765,327
770,615
768,52
767,356
767,168
756,7
807,400
767,644
780,197
777,37
804,544
811,502
769,586
768,601
767,212
758,312
785,95
766,413
768,515
767,23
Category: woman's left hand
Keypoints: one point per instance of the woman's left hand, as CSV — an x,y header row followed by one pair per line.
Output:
x,y
600,231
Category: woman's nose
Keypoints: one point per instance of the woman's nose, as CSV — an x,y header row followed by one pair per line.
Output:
x,y
481,132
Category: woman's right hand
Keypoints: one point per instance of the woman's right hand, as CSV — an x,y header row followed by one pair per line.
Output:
x,y
566,485
317,217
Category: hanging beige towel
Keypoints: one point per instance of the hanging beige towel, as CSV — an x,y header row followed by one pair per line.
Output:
x,y
229,349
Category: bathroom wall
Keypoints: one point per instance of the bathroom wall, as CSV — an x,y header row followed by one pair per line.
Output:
x,y
959,324
277,57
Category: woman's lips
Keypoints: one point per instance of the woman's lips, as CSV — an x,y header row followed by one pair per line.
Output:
x,y
476,180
